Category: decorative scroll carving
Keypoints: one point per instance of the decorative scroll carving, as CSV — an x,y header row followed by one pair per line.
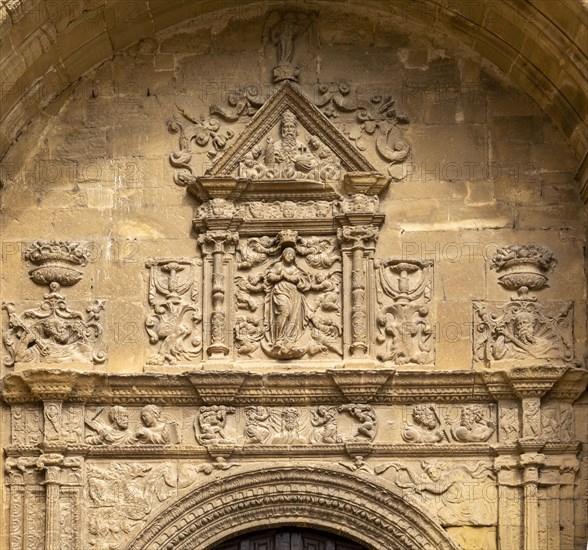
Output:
x,y
358,465
292,325
374,120
425,486
211,423
154,427
205,133
121,496
188,473
523,329
523,268
175,320
404,289
53,332
289,158
26,426
243,102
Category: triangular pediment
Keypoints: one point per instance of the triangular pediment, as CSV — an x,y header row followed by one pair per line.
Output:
x,y
248,157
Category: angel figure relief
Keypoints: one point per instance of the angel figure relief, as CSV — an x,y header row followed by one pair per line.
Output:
x,y
175,318
301,308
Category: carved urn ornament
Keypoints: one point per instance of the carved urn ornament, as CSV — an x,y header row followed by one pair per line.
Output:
x,y
57,262
523,268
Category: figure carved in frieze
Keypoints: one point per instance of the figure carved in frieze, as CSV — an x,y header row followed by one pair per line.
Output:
x,y
523,329
289,158
509,423
211,423
290,428
473,425
566,423
53,421
550,423
435,478
358,465
531,418
155,427
174,324
426,427
256,429
115,433
366,416
153,430
292,325
324,419
404,296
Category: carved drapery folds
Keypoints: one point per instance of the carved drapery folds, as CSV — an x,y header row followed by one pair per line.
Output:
x,y
524,328
54,332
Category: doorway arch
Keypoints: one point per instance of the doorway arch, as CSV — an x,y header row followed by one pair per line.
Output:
x,y
329,499
288,538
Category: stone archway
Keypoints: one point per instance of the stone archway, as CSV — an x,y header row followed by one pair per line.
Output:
x,y
327,499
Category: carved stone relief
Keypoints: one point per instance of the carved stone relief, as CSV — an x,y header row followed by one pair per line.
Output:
x,y
153,427
453,495
54,332
174,324
429,424
288,304
121,496
523,328
404,320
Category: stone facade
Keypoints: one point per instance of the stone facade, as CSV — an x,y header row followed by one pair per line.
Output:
x,y
277,266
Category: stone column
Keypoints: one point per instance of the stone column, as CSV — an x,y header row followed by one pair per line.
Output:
x,y
52,528
16,489
358,244
216,246
510,520
530,464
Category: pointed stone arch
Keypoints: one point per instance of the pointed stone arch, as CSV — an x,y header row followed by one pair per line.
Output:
x,y
324,498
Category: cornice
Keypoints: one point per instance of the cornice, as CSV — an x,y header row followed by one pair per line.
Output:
x,y
376,386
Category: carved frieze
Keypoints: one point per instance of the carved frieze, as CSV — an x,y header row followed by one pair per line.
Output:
x,y
404,321
289,302
174,324
429,423
154,427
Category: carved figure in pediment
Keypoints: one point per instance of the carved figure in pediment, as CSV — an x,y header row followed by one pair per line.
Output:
x,y
324,420
427,426
473,426
175,318
523,329
115,433
289,157
404,295
210,424
366,416
256,428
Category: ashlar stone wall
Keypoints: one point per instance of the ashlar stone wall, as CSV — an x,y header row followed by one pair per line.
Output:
x,y
391,306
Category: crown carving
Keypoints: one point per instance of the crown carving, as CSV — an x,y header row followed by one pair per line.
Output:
x,y
57,261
